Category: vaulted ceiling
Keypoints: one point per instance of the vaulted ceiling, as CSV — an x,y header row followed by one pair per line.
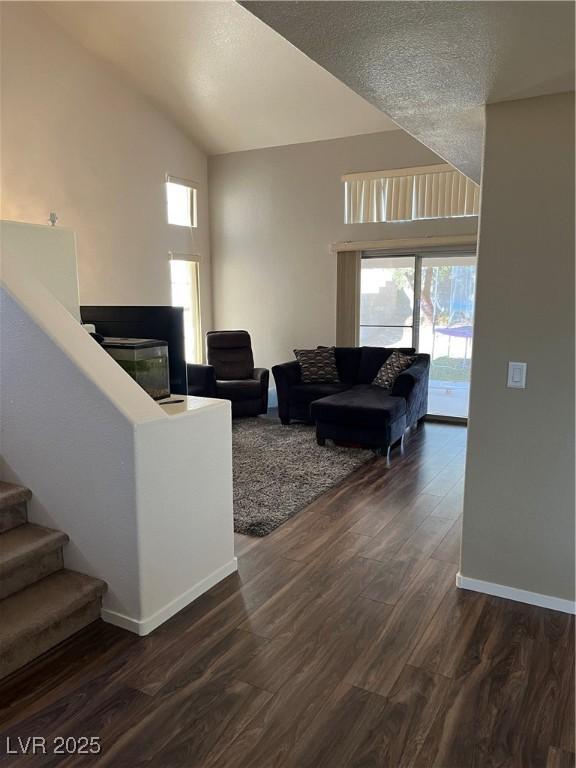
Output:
x,y
432,66
268,73
227,78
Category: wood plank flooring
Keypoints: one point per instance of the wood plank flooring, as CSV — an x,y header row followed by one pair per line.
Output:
x,y
341,643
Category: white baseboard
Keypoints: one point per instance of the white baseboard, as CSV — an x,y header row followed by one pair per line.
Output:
x,y
519,595
145,626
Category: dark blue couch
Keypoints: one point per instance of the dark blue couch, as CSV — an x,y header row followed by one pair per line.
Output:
x,y
353,410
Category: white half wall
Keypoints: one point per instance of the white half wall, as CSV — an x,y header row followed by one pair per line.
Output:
x,y
74,448
145,497
184,487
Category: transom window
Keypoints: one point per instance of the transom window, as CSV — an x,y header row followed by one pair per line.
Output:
x,y
409,194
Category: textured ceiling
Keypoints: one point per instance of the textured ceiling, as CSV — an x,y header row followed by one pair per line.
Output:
x,y
432,66
228,79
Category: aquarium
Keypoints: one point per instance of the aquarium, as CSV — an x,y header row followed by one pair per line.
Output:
x,y
146,360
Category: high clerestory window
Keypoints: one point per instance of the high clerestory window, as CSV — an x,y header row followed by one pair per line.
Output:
x,y
409,194
181,202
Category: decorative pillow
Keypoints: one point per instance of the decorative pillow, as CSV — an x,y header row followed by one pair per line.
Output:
x,y
317,365
392,368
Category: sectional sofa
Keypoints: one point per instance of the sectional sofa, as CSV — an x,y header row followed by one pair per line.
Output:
x,y
354,410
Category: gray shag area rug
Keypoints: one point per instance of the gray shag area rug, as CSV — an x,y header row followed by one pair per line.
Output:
x,y
278,470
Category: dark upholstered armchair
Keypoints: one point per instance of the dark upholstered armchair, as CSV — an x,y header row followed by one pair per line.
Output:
x,y
230,374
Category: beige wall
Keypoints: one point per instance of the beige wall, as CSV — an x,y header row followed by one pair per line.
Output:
x,y
78,140
519,498
274,215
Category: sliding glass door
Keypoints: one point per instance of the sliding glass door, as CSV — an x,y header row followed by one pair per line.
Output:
x,y
427,302
445,329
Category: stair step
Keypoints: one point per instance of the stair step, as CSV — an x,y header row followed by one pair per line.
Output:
x,y
45,613
27,554
28,541
13,500
11,494
12,517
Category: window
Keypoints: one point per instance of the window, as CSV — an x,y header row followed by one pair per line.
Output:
x,y
184,278
426,301
409,194
181,202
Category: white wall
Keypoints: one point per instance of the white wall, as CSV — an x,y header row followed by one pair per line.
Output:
x,y
274,215
518,527
78,140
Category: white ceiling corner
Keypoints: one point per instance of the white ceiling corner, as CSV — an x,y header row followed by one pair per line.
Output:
x,y
223,75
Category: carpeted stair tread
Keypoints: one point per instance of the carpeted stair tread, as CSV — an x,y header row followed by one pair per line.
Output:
x,y
13,494
25,543
29,612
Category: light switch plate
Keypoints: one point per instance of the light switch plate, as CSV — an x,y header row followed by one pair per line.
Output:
x,y
517,375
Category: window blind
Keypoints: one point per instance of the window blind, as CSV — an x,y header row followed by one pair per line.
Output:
x,y
407,194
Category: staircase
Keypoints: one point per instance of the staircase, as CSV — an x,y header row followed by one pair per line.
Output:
x,y
41,603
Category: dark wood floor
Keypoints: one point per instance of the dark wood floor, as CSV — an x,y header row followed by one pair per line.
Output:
x,y
341,642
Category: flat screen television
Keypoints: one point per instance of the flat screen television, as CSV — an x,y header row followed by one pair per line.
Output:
x,y
166,323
